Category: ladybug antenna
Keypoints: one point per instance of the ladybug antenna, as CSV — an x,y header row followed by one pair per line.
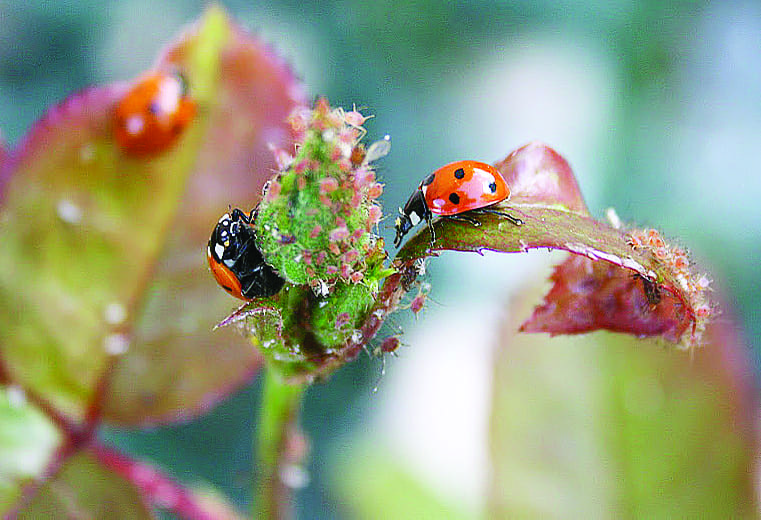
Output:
x,y
254,213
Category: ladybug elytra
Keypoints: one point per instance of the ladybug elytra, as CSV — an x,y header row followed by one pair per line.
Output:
x,y
153,113
453,191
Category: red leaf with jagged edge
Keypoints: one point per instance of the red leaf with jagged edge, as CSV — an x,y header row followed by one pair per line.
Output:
x,y
589,295
605,292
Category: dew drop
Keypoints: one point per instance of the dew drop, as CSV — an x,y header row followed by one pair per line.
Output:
x,y
142,475
116,344
69,212
294,476
16,396
87,153
115,313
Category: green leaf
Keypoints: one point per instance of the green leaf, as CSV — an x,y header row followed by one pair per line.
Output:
x,y
28,440
607,426
82,488
374,485
245,94
103,286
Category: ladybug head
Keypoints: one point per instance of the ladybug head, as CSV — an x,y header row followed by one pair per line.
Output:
x,y
414,211
402,224
223,239
235,260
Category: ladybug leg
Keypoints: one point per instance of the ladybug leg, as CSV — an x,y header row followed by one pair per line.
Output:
x,y
252,216
464,217
514,220
429,221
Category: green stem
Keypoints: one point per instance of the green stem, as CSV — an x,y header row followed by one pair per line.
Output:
x,y
277,417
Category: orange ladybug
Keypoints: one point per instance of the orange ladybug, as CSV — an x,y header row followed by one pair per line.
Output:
x,y
453,191
153,114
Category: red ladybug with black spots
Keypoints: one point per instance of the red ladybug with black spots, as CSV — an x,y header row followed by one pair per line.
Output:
x,y
153,114
235,260
455,191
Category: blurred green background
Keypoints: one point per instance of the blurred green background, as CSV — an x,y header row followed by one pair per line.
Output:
x,y
656,105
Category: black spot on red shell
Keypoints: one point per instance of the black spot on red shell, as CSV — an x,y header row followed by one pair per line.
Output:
x,y
459,173
493,187
428,180
454,198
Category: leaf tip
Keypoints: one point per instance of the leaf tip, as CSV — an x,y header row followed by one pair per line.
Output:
x,y
537,173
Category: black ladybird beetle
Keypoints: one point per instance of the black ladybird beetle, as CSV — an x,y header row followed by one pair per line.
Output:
x,y
235,260
452,191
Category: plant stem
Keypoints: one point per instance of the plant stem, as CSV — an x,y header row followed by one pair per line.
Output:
x,y
277,417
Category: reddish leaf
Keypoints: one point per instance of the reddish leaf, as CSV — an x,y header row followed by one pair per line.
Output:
x,y
254,93
163,492
538,174
589,295
83,488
